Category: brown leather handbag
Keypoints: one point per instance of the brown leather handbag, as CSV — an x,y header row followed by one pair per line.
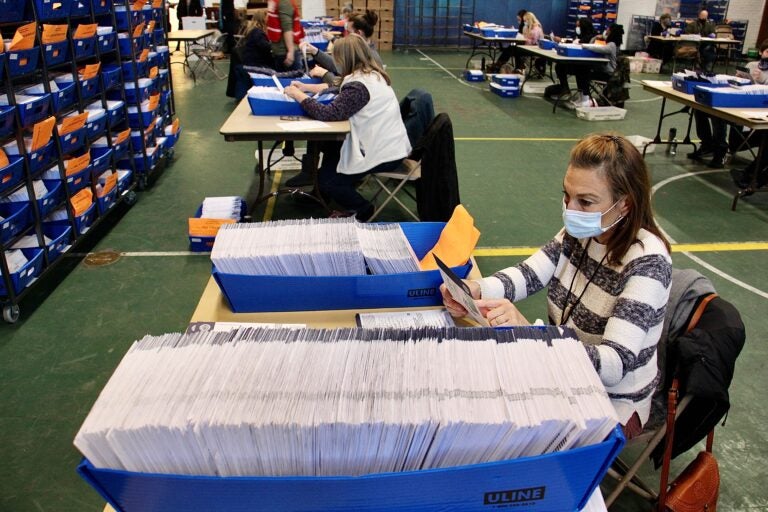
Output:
x,y
696,489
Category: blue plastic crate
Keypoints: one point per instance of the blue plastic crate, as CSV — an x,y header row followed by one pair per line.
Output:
x,y
26,274
80,8
89,88
73,140
566,51
142,164
124,180
110,76
101,159
79,180
557,481
153,60
298,293
126,19
506,80
147,136
7,120
11,10
261,81
85,47
474,75
61,238
12,174
162,78
107,201
119,150
133,96
96,127
504,92
33,108
137,120
264,107
50,200
165,55
56,53
546,44
101,6
715,98
42,158
21,62
107,42
16,218
49,9
129,45
157,15
3,57
133,70
205,243
146,13
115,113
158,36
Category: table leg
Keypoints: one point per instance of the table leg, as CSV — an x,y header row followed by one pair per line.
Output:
x,y
657,138
753,185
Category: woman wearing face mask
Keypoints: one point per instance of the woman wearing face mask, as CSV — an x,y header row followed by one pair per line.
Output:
x,y
658,49
607,273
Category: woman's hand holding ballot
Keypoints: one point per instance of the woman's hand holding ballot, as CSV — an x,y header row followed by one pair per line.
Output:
x,y
498,312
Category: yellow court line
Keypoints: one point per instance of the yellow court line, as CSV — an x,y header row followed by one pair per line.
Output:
x,y
270,209
528,139
711,247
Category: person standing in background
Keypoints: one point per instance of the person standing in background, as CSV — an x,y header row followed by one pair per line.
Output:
x,y
230,23
284,32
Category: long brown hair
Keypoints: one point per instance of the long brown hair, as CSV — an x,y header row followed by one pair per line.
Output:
x,y
353,54
624,168
258,20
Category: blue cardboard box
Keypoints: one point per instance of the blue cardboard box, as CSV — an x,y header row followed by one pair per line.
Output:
x,y
302,293
553,482
714,98
474,75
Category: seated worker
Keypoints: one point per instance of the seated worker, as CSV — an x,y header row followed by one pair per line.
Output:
x,y
705,28
608,274
584,74
509,51
362,25
585,32
758,72
533,31
658,49
254,50
284,32
377,141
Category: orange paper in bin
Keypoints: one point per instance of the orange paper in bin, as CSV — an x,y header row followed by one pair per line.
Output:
x,y
206,227
81,201
72,123
109,184
4,160
122,136
24,38
41,133
54,33
456,243
76,164
85,31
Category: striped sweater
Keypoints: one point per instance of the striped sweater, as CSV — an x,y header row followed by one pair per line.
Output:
x,y
620,316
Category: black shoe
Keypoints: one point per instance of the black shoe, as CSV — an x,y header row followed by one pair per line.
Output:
x,y
740,178
302,179
717,162
699,154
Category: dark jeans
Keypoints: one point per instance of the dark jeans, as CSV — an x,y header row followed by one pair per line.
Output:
x,y
584,75
342,188
509,52
713,133
280,62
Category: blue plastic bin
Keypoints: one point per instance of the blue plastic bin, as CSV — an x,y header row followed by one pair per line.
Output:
x,y
504,91
126,19
158,36
546,44
49,9
138,120
16,218
7,120
22,62
52,199
148,136
264,107
575,52
557,481
3,57
260,81
146,13
89,88
27,273
42,158
101,7
80,8
715,98
133,96
11,10
79,180
162,78
120,150
110,76
61,238
153,60
125,181
116,114
64,97
33,110
129,45
101,159
85,47
157,15
12,174
506,80
107,42
141,163
97,127
73,140
107,201
133,70
56,53
205,243
474,75
82,223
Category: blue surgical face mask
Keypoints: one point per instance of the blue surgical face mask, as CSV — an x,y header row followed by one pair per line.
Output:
x,y
763,64
578,31
586,224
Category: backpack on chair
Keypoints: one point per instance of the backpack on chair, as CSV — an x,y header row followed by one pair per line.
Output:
x,y
616,90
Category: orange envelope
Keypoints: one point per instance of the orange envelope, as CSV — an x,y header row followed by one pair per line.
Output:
x,y
89,71
138,4
41,132
54,33
157,4
154,100
122,136
70,124
84,31
143,55
151,26
109,184
206,227
175,126
81,201
456,242
138,30
3,164
24,38
77,163
153,72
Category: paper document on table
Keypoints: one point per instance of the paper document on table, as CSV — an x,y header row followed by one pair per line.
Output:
x,y
405,319
303,125
194,327
460,292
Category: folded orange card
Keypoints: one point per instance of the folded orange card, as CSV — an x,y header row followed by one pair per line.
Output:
x,y
72,123
3,164
122,136
54,33
41,132
109,184
456,243
77,163
24,38
206,227
84,31
81,201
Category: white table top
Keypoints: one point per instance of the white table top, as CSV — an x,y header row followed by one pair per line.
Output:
x,y
553,55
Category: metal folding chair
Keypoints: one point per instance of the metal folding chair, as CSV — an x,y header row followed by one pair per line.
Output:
x,y
391,183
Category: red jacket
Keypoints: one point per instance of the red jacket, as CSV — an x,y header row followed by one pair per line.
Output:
x,y
275,29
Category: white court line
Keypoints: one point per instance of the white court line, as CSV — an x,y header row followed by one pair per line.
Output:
x,y
459,79
698,260
149,254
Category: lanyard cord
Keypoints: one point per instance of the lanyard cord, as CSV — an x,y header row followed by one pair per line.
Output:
x,y
571,306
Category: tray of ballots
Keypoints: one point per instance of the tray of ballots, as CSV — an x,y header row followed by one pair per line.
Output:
x,y
748,96
686,81
314,420
261,80
503,90
474,75
23,266
575,50
327,264
270,101
210,216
